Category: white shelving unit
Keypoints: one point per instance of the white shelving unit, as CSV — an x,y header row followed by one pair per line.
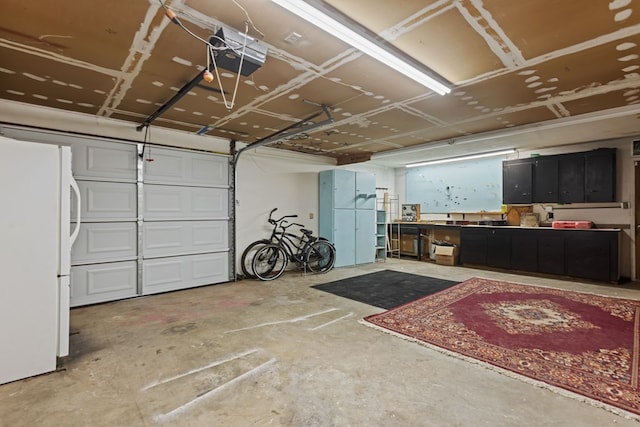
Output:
x,y
390,205
381,235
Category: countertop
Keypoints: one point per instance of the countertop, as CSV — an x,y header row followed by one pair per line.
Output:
x,y
432,224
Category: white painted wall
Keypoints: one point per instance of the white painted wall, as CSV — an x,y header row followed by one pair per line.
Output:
x,y
269,178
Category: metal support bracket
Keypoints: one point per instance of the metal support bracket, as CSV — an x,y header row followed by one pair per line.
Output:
x,y
290,131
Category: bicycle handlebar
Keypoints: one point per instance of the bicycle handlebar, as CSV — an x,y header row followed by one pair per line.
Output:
x,y
276,221
284,225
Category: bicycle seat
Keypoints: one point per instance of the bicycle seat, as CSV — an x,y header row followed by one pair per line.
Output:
x,y
306,232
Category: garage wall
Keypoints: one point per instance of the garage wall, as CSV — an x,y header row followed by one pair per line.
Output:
x,y
269,178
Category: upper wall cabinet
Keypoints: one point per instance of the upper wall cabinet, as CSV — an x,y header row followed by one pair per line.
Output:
x,y
517,179
600,176
588,176
571,179
545,183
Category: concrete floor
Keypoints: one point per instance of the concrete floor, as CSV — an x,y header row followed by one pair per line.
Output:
x,y
278,354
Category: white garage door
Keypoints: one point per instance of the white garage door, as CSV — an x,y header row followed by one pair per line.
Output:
x,y
104,256
148,226
186,220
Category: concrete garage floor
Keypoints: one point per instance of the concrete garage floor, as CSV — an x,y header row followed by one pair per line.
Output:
x,y
278,354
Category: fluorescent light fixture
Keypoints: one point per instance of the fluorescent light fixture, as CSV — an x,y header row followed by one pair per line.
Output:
x,y
314,16
457,159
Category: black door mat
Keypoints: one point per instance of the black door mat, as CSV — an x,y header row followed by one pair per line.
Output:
x,y
386,289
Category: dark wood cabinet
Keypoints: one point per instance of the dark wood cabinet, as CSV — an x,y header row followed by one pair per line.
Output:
x,y
600,177
523,258
588,176
474,242
545,181
571,179
551,256
517,181
499,248
587,254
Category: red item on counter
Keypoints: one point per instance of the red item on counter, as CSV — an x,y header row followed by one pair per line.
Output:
x,y
572,224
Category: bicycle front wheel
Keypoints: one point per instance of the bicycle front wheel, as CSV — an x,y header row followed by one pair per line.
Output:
x,y
246,262
320,257
269,262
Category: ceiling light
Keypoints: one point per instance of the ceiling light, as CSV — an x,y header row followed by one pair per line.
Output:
x,y
457,159
311,14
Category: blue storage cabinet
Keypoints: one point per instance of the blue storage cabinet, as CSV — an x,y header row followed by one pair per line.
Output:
x,y
347,214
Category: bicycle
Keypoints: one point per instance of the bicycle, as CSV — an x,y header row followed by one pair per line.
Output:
x,y
248,254
312,253
270,257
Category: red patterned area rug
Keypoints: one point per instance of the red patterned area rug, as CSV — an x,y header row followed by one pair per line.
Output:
x,y
567,341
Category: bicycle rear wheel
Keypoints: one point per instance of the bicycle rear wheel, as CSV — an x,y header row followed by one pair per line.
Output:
x,y
269,262
249,253
320,257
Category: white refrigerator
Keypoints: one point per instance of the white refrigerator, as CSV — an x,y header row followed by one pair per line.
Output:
x,y
35,252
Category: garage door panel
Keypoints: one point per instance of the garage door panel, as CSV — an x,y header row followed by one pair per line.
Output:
x,y
105,241
100,160
186,168
107,201
170,202
170,230
168,238
94,283
182,272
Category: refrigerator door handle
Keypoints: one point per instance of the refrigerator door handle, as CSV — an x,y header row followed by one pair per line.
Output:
x,y
76,230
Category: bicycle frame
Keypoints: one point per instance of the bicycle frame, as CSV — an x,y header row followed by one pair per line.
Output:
x,y
271,256
286,241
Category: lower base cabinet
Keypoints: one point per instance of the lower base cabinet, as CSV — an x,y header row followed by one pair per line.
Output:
x,y
590,257
486,246
499,248
522,257
585,254
551,255
474,242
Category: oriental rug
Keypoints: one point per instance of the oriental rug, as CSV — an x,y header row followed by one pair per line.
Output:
x,y
583,344
385,289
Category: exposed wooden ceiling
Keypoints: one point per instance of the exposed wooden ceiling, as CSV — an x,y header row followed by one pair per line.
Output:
x,y
510,63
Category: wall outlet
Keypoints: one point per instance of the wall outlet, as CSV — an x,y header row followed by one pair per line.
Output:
x,y
310,215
